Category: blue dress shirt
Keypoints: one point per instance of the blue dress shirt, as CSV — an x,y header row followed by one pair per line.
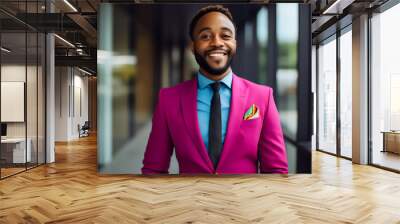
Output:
x,y
204,96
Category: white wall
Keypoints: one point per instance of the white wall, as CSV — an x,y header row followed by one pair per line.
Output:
x,y
71,94
80,100
62,81
17,73
13,72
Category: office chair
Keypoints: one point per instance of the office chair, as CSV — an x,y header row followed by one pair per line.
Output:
x,y
84,130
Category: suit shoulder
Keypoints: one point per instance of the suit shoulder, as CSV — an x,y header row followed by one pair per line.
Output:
x,y
256,87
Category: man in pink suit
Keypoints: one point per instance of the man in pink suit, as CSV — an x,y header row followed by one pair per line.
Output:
x,y
218,123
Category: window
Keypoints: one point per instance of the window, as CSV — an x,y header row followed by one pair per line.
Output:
x,y
385,89
327,96
346,94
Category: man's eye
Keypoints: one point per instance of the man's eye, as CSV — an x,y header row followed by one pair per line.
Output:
x,y
226,36
205,36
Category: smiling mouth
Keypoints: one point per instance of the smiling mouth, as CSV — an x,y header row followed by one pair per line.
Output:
x,y
216,54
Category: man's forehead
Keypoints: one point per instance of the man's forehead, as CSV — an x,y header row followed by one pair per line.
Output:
x,y
209,29
213,18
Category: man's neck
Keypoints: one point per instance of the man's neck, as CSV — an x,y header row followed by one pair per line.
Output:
x,y
215,77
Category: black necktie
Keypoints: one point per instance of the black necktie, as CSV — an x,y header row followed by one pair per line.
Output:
x,y
214,129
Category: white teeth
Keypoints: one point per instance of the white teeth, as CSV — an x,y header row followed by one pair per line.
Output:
x,y
216,54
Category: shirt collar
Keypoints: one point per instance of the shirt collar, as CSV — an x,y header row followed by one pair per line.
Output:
x,y
203,81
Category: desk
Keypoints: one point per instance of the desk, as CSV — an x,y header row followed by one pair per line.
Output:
x,y
15,148
391,141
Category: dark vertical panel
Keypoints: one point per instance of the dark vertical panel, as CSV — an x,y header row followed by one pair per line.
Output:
x,y
272,63
247,56
239,58
304,95
158,52
255,62
182,45
252,51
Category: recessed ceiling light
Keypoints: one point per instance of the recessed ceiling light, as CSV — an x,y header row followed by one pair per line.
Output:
x,y
64,40
70,5
5,50
84,71
337,7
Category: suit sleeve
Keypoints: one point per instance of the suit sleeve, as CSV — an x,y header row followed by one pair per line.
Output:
x,y
272,152
159,146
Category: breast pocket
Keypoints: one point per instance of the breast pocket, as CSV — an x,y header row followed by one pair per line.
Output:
x,y
253,125
251,122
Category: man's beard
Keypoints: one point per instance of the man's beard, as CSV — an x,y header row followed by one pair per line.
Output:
x,y
213,71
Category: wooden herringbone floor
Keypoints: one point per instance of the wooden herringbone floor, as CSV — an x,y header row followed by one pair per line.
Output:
x,y
71,191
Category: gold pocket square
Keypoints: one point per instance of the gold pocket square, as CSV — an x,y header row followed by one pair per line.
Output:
x,y
251,113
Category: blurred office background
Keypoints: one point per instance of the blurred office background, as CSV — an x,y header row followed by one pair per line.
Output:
x,y
144,47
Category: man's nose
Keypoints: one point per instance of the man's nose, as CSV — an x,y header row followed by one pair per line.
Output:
x,y
217,41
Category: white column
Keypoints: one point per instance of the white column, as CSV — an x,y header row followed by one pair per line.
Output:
x,y
360,90
50,92
50,99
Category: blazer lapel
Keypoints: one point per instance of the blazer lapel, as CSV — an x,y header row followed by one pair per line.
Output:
x,y
237,107
189,112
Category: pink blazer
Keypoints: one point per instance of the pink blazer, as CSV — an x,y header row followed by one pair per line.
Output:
x,y
250,146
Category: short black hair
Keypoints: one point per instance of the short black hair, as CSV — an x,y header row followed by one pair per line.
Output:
x,y
205,10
